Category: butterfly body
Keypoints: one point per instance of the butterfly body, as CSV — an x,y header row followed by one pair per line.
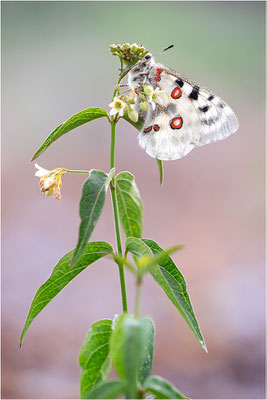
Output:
x,y
183,117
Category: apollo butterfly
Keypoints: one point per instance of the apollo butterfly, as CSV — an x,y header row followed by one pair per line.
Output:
x,y
187,116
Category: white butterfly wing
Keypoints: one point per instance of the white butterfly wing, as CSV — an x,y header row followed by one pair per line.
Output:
x,y
163,142
185,116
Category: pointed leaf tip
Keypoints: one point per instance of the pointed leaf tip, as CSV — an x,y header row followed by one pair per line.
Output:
x,y
73,122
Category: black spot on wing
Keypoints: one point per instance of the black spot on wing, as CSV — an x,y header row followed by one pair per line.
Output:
x,y
211,97
209,121
204,109
194,94
179,82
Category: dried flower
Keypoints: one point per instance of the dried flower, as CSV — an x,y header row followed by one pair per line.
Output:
x,y
50,181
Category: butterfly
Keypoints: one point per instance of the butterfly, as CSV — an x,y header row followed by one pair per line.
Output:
x,y
183,117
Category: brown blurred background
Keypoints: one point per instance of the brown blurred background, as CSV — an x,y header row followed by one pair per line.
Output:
x,y
56,62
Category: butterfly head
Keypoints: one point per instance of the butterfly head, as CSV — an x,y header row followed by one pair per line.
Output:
x,y
144,63
143,72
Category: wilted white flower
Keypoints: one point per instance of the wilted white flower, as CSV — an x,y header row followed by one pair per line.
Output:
x,y
50,181
117,107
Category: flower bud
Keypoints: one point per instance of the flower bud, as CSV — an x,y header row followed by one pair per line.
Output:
x,y
126,51
133,115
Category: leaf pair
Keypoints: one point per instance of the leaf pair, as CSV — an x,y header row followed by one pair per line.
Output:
x,y
93,200
129,344
130,347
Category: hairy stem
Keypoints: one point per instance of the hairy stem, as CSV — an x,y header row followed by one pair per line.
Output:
x,y
116,217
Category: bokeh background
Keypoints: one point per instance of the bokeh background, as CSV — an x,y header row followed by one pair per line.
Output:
x,y
56,62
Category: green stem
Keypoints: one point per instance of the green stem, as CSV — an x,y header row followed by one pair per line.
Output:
x,y
77,171
116,217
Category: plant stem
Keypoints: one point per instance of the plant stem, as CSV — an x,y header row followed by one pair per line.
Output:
x,y
137,296
116,217
77,171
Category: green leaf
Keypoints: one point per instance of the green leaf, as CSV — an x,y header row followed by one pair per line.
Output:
x,y
61,276
160,165
91,205
138,125
94,355
73,122
162,388
129,204
106,390
131,351
170,279
172,282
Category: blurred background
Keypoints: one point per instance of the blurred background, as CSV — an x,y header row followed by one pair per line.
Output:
x,y
56,62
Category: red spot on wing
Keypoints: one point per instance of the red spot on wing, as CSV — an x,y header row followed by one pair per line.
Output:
x,y
148,129
157,78
176,93
159,71
156,127
176,123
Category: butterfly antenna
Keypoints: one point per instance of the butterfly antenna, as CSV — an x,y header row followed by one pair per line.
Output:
x,y
167,48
